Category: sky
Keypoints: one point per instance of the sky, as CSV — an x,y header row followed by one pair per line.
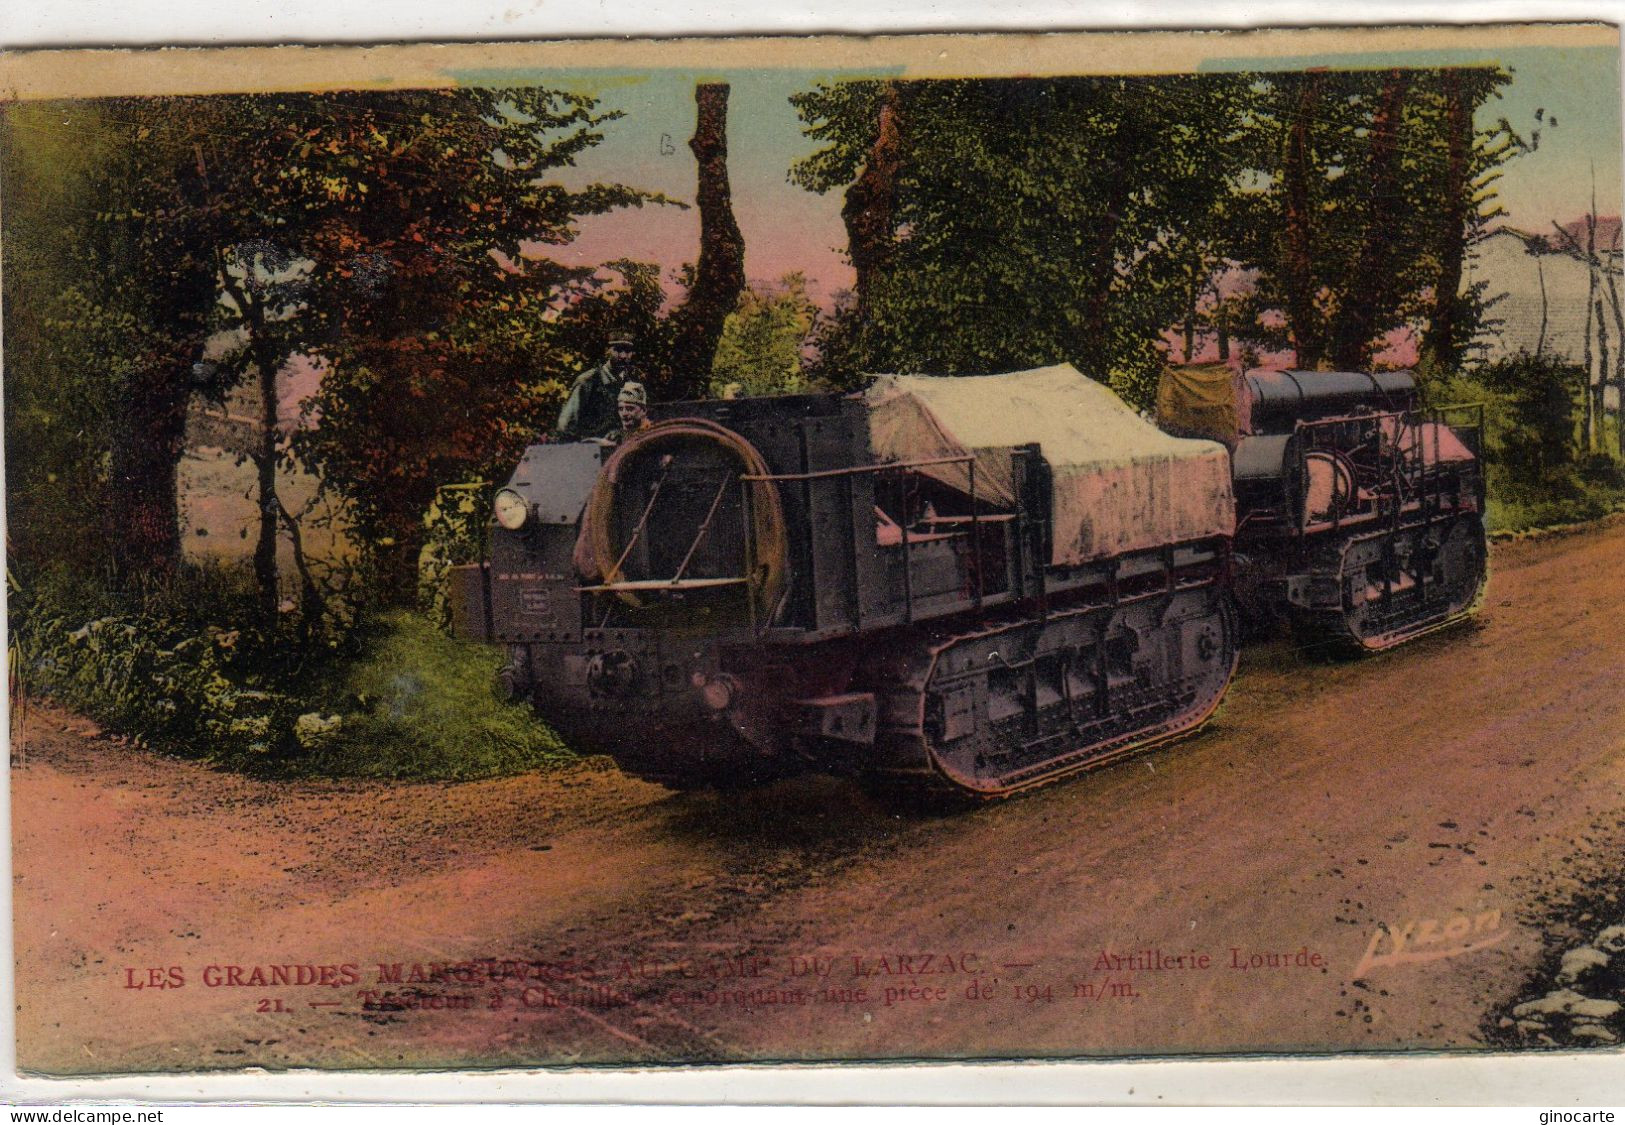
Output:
x,y
785,227
1576,91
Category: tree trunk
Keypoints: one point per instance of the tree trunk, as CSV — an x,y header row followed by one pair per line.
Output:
x,y
1193,297
1619,352
1619,417
720,276
1619,412
1362,306
1598,399
267,362
310,595
1540,276
871,200
1586,422
265,576
1599,389
144,531
1297,271
1442,345
149,432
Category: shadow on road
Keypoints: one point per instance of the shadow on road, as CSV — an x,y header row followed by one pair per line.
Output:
x,y
812,811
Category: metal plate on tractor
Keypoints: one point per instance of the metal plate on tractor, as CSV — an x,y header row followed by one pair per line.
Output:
x,y
557,479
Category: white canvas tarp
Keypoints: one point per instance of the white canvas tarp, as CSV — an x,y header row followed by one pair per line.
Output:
x,y
1120,483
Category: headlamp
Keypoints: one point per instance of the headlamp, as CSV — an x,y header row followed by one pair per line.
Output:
x,y
511,509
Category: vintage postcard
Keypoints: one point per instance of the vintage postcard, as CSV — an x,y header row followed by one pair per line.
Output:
x,y
1079,546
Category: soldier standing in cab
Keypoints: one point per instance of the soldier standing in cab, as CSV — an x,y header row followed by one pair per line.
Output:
x,y
590,411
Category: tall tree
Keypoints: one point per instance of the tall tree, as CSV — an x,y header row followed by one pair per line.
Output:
x,y
1297,254
1442,345
57,379
266,301
368,228
1588,419
1459,203
871,199
446,327
1372,280
350,216
719,277
1030,221
1365,190
129,226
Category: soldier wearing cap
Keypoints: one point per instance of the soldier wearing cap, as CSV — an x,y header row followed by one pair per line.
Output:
x,y
591,410
632,406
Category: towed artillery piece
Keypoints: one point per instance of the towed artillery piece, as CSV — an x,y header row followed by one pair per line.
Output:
x,y
1359,516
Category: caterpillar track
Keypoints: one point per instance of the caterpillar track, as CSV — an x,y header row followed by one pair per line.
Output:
x,y
1004,708
1376,591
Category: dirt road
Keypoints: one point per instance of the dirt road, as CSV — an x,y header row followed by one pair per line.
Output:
x,y
1348,857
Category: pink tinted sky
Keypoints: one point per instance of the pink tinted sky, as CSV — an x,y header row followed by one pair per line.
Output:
x,y
785,227
801,239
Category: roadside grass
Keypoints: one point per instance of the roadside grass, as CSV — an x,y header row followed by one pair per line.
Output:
x,y
1594,491
389,695
1539,474
417,705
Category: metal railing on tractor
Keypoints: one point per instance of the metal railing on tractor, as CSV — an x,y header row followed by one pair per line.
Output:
x,y
1392,463
761,617
849,474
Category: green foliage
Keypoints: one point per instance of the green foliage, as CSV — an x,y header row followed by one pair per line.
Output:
x,y
391,697
1570,498
1534,476
455,528
1039,220
1533,417
425,710
1035,220
841,117
1359,189
450,335
761,347
400,416
400,237
175,672
834,360
108,301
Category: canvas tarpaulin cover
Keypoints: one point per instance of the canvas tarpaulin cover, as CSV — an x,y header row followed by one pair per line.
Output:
x,y
1120,484
1199,401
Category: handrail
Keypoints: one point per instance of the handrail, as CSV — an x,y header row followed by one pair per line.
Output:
x,y
879,467
641,584
1407,464
976,538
